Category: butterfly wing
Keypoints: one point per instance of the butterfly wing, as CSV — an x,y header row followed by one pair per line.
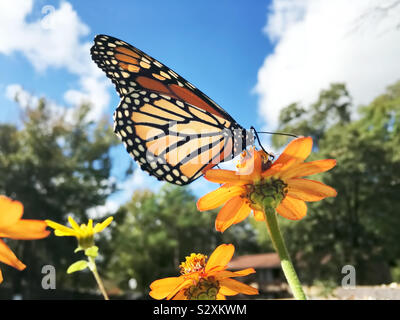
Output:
x,y
172,129
170,139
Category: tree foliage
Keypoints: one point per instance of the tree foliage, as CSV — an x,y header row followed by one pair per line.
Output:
x,y
55,167
360,226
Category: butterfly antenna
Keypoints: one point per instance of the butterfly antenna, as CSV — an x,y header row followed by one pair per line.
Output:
x,y
278,133
267,132
259,142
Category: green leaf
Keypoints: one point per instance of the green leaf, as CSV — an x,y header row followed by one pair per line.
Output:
x,y
77,266
78,249
92,251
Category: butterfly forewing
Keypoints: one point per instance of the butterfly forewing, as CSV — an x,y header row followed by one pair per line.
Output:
x,y
173,130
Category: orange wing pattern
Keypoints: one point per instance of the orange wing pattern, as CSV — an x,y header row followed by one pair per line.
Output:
x,y
173,130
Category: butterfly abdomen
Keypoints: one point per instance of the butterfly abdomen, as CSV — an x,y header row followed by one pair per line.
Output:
x,y
242,139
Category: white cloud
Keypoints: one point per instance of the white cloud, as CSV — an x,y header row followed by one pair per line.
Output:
x,y
138,180
98,212
25,99
15,92
322,41
54,41
93,91
285,13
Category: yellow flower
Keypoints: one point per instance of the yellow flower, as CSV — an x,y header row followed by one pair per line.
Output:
x,y
83,233
203,279
259,183
14,227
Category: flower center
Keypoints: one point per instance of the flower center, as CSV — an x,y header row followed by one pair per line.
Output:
x,y
86,237
205,289
194,263
268,193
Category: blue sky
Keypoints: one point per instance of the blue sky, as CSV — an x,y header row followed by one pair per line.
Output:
x,y
217,45
251,57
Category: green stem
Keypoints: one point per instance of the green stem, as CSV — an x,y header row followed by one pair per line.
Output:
x,y
93,268
286,263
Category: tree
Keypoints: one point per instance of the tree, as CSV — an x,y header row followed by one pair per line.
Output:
x,y
55,167
360,226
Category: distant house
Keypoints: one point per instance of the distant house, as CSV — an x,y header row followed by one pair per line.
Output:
x,y
268,278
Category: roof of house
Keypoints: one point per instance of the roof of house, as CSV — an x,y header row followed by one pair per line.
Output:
x,y
256,261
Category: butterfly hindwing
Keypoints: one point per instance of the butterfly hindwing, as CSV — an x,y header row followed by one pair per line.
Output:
x,y
167,137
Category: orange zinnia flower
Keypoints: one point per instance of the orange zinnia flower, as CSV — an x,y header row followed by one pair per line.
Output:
x,y
201,280
13,227
259,183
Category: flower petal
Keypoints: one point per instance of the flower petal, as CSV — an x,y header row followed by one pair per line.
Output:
x,y
231,274
273,170
220,257
309,190
74,224
180,296
26,230
163,287
243,213
227,291
227,176
90,226
8,257
181,287
220,296
298,149
101,226
251,166
259,215
291,208
218,197
60,233
308,168
237,286
61,230
10,212
244,272
227,215
1,277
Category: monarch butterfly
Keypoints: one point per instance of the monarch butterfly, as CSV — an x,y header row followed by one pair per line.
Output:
x,y
173,130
